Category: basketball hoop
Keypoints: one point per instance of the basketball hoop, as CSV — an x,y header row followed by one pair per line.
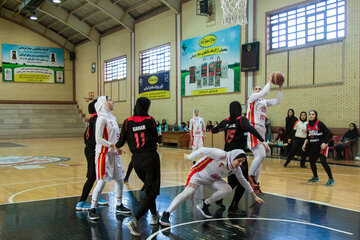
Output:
x,y
234,11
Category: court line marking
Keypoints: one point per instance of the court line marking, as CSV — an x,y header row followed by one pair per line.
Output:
x,y
307,173
45,180
58,179
10,200
179,184
261,219
135,189
313,201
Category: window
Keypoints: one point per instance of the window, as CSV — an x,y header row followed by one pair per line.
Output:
x,y
115,69
307,24
155,60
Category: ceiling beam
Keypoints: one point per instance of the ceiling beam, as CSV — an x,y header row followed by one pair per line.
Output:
x,y
16,9
52,24
63,3
102,22
73,36
2,3
133,7
115,12
70,20
78,7
38,28
174,5
63,30
42,17
90,15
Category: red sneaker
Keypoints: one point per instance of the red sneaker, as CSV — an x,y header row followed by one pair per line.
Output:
x,y
258,190
252,182
255,186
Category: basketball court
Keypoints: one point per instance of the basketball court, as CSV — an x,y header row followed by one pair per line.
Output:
x,y
38,202
59,55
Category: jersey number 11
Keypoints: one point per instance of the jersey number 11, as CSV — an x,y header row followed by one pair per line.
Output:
x,y
142,139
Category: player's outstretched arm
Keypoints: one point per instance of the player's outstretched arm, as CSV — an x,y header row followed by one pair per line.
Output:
x,y
304,146
255,96
276,101
214,153
256,198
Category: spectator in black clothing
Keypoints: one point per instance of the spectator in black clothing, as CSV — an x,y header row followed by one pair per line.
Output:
x,y
234,128
318,136
89,140
164,126
209,126
187,126
289,127
349,137
298,140
141,135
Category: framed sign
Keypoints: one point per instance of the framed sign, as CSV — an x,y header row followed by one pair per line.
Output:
x,y
210,64
155,86
32,64
250,56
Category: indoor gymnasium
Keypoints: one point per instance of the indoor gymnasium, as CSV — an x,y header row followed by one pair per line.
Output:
x,y
179,119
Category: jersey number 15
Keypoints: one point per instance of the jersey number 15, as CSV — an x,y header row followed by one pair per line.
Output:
x,y
230,135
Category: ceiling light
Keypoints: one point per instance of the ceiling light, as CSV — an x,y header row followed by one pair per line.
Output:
x,y
33,17
56,1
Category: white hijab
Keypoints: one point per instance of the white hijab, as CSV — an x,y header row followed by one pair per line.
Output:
x,y
232,155
196,117
102,108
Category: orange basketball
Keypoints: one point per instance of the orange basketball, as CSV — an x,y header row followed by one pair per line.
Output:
x,y
277,78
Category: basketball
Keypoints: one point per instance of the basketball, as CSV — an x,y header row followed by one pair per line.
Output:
x,y
277,78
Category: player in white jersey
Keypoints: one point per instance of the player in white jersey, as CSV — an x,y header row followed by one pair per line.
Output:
x,y
257,109
209,171
197,131
108,163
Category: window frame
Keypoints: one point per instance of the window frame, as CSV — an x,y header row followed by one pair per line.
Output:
x,y
268,42
114,59
141,58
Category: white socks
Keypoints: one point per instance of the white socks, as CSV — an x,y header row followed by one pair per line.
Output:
x,y
100,184
119,187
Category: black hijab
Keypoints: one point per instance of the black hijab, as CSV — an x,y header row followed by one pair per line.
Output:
x,y
311,123
142,107
305,116
235,111
352,134
290,121
91,107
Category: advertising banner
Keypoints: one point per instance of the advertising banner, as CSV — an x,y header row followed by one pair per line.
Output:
x,y
155,86
32,64
210,64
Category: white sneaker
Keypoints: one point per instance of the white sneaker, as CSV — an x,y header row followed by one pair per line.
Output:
x,y
133,226
155,219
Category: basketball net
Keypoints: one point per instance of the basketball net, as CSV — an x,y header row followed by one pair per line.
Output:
x,y
234,11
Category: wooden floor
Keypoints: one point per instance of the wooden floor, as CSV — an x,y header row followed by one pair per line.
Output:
x,y
66,179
